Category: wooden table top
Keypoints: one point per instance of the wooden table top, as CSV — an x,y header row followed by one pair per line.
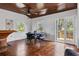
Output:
x,y
7,31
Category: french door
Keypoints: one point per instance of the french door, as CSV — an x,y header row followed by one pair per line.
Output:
x,y
65,30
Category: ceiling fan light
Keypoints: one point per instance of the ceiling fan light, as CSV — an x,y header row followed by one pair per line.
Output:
x,y
43,11
20,5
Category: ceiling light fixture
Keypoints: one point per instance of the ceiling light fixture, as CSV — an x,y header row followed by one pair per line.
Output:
x,y
24,10
61,6
40,6
20,5
43,11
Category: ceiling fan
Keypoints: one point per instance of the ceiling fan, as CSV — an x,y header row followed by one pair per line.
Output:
x,y
39,10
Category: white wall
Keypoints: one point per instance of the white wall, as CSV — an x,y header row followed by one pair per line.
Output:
x,y
77,28
49,22
17,18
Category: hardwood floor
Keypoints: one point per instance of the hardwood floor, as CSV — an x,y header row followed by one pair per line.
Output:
x,y
44,48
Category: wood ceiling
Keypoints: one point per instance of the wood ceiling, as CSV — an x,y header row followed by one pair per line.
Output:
x,y
32,9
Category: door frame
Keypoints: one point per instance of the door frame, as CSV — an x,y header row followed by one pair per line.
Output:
x,y
65,26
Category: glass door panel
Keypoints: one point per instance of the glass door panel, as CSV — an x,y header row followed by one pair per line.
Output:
x,y
64,30
60,29
69,30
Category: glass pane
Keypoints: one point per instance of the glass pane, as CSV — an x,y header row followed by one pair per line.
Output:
x,y
60,29
69,30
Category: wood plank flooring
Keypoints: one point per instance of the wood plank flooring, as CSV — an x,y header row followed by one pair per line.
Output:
x,y
44,48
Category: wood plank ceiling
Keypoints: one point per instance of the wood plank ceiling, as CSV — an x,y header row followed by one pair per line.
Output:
x,y
33,10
